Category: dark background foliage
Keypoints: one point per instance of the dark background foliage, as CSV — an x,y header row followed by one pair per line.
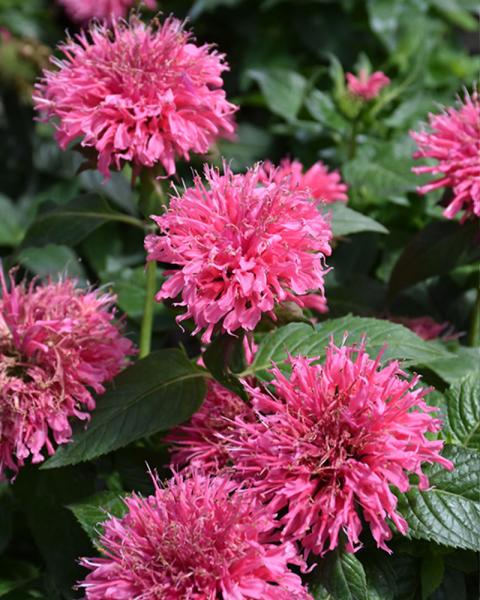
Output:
x,y
287,61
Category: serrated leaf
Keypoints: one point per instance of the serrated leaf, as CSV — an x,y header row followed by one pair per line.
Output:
x,y
436,250
346,221
282,89
345,577
69,224
463,411
155,394
223,358
453,368
93,511
299,338
449,512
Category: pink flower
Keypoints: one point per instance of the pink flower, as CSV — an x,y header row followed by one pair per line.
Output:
x,y
144,94
427,328
328,443
454,142
197,538
82,11
57,345
317,180
202,442
366,86
240,248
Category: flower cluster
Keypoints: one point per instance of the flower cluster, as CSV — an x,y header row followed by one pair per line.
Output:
x,y
323,185
82,11
144,94
454,143
365,86
326,445
57,345
241,247
196,538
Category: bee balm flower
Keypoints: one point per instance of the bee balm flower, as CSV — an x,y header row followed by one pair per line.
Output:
x,y
320,183
241,248
57,345
454,143
82,11
328,443
195,538
365,86
144,94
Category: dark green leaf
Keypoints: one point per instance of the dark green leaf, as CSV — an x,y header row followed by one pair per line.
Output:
x,y
93,511
71,223
431,574
346,221
225,357
14,574
10,223
251,144
436,250
155,394
457,366
463,411
299,338
449,512
344,577
282,89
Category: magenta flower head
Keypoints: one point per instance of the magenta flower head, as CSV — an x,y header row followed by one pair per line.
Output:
x,y
365,86
82,11
241,247
322,184
202,442
427,328
328,443
196,538
454,143
57,345
143,94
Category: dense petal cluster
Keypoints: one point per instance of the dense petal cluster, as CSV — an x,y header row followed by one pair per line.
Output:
x,y
365,86
427,328
328,443
197,538
202,442
57,345
144,94
454,143
317,180
82,11
241,248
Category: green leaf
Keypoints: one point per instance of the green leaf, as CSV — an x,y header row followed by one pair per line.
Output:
x,y
344,577
323,109
201,6
346,221
155,394
431,574
251,144
14,574
10,223
449,512
71,223
223,358
455,367
282,89
52,260
299,338
6,517
93,511
463,411
436,250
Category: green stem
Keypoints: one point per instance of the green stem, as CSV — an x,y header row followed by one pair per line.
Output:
x,y
147,319
474,337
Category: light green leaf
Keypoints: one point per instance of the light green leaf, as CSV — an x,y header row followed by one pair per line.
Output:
x,y
323,109
52,260
155,394
346,221
299,338
10,223
93,511
282,89
449,512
